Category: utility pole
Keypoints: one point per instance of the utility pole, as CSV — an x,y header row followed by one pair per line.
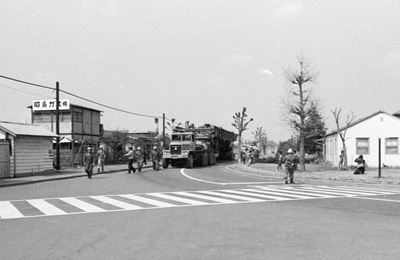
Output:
x,y
163,130
57,126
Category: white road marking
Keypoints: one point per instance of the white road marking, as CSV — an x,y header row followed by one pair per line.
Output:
x,y
87,207
226,183
179,199
46,207
156,203
9,209
117,203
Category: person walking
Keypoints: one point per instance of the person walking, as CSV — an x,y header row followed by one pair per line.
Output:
x,y
101,157
155,157
290,163
341,160
139,158
130,157
360,165
280,160
89,162
145,153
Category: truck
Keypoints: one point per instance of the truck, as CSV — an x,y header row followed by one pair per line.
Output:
x,y
200,146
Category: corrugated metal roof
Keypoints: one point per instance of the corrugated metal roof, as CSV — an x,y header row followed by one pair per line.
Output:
x,y
16,129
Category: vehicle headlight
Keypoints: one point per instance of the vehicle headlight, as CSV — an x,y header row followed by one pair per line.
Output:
x,y
185,152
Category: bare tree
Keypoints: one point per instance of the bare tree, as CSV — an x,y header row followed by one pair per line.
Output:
x,y
260,137
241,125
299,101
342,131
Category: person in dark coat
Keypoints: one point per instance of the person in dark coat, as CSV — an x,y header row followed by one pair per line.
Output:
x,y
89,162
155,157
290,164
360,165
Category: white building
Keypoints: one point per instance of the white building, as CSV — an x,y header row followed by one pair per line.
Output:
x,y
362,137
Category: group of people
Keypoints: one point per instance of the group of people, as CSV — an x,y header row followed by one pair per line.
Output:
x,y
140,156
248,154
90,159
360,169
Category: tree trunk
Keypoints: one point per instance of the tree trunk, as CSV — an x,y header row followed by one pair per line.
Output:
x,y
302,155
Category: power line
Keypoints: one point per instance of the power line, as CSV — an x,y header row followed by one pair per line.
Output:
x,y
35,94
88,100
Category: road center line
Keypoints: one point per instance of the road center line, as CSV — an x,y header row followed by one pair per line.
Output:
x,y
224,183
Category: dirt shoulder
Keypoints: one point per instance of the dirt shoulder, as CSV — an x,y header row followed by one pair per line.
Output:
x,y
390,177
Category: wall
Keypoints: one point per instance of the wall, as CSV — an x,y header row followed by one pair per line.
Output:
x,y
33,155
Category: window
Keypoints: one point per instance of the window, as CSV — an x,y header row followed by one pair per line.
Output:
x,y
362,145
77,116
391,145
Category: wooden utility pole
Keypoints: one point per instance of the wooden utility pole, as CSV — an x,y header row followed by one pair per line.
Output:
x,y
57,126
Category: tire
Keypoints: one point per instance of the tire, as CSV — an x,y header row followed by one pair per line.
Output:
x,y
205,157
164,164
189,162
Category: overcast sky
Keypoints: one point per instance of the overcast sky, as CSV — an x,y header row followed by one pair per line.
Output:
x,y
200,61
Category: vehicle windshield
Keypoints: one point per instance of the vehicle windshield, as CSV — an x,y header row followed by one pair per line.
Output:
x,y
187,138
176,137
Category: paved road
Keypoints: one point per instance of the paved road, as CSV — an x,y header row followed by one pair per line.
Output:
x,y
201,213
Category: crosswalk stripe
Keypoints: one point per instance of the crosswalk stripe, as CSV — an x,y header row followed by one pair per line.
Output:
x,y
156,203
205,197
179,199
46,207
301,193
117,203
372,191
9,211
254,193
337,192
221,193
87,207
283,193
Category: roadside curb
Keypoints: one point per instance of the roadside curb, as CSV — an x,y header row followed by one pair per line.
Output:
x,y
43,178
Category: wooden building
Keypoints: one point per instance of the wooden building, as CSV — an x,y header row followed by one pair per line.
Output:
x,y
25,149
79,128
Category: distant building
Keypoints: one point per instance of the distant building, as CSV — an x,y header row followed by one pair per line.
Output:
x,y
25,149
362,137
79,128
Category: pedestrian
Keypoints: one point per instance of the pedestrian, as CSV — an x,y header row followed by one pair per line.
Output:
x,y
145,156
155,157
251,156
243,155
341,160
139,158
101,157
89,162
130,157
360,165
290,163
280,160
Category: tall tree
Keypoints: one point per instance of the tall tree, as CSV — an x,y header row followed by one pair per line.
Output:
x,y
261,138
342,131
116,140
299,102
314,131
241,125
